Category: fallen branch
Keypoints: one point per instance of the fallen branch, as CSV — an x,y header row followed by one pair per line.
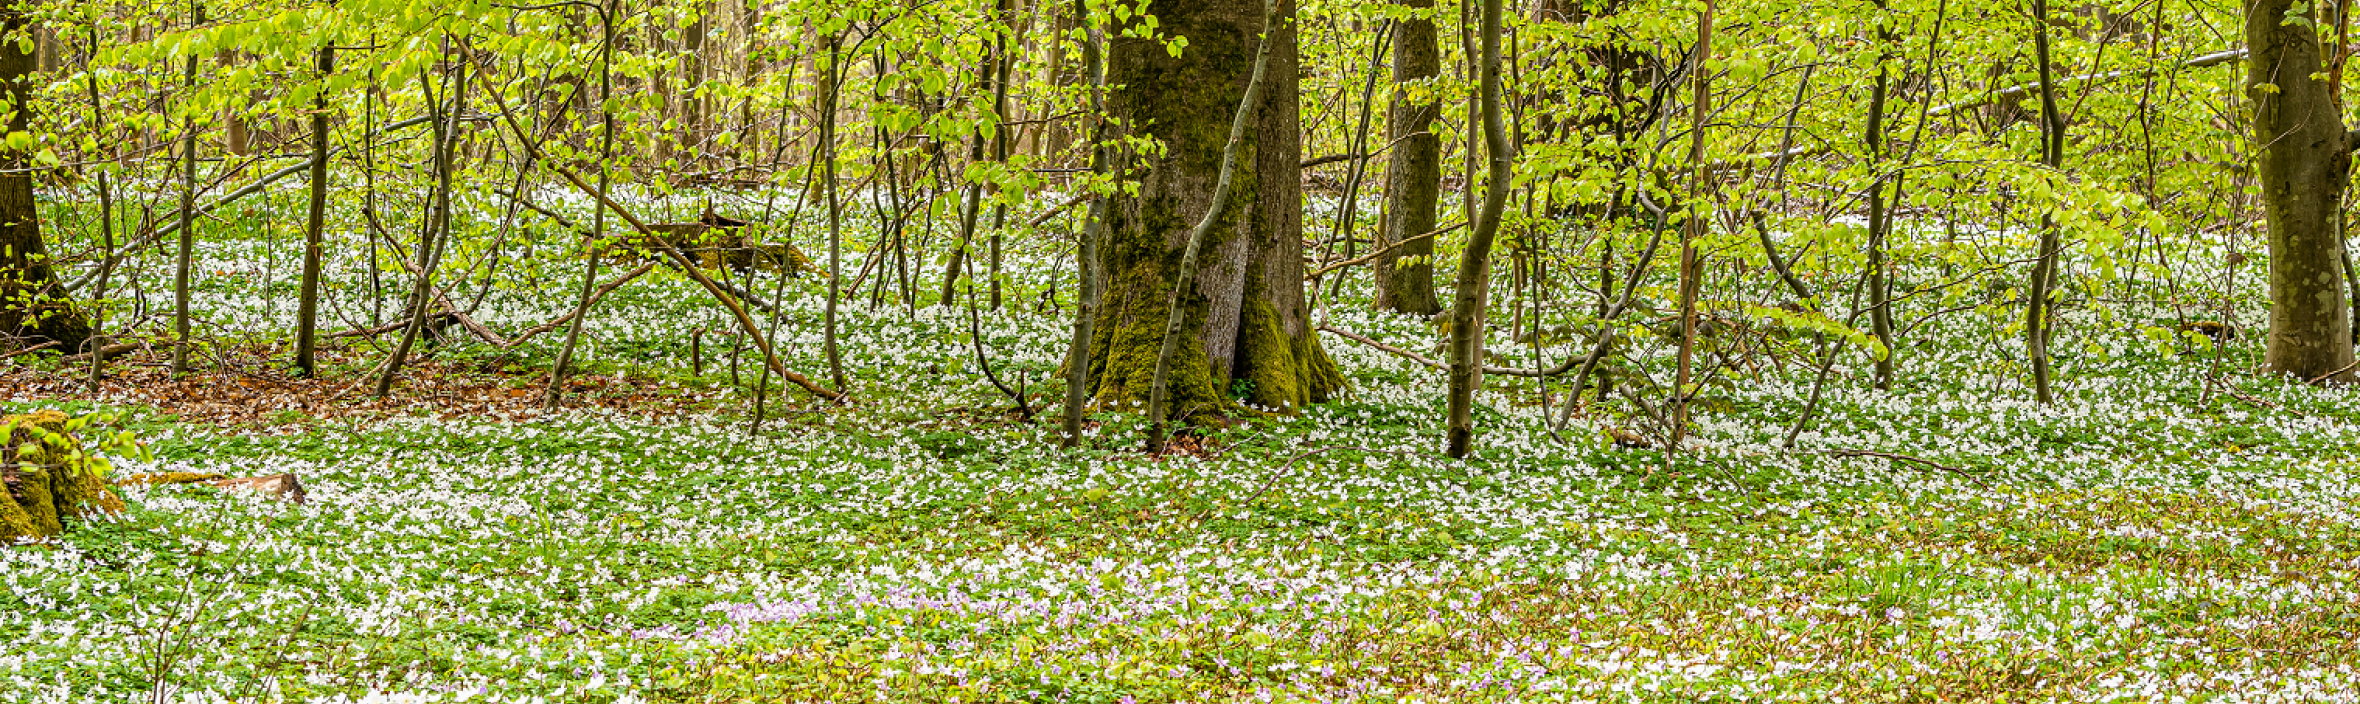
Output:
x,y
30,350
2233,392
481,331
1329,159
108,352
562,221
595,297
2323,377
683,263
367,332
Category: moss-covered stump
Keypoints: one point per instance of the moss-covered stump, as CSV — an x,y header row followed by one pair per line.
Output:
x,y
49,476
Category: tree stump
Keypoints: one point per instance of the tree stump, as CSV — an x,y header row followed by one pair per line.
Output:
x,y
48,477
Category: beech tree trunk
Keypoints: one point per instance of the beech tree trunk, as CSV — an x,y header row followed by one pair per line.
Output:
x,y
33,307
1246,330
1413,177
2305,167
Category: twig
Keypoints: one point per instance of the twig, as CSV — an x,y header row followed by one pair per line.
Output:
x,y
2323,377
30,350
1024,409
1379,252
1288,468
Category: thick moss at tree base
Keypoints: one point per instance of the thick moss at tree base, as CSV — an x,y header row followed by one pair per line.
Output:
x,y
1286,373
34,510
1123,367
1282,372
48,481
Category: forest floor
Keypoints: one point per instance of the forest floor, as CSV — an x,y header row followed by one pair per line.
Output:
x,y
2153,536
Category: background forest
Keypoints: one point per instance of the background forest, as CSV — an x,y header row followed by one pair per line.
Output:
x,y
1191,350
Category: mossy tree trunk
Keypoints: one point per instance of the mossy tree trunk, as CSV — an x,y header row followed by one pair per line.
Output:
x,y
2305,168
34,309
1246,313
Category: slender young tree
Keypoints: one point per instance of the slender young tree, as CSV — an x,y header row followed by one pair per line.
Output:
x,y
1693,231
554,393
188,210
2044,268
1880,214
1077,355
987,75
106,227
1473,287
315,220
832,86
438,214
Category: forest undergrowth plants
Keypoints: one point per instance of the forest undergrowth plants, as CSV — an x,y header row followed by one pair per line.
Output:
x,y
920,544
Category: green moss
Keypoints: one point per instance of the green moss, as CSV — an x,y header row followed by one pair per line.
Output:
x,y
49,479
1123,364
1266,359
15,522
1321,380
35,500
82,494
1286,372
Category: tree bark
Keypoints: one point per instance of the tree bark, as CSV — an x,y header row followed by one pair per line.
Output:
x,y
1413,177
438,220
1880,215
188,206
1192,254
1246,321
33,308
2305,166
1077,356
314,226
2038,308
554,393
1474,281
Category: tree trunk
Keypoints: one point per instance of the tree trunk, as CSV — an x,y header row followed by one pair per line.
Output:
x,y
438,218
1077,356
832,84
33,308
555,392
2038,309
1246,320
1473,288
986,75
2304,168
1413,177
1880,215
183,261
314,227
